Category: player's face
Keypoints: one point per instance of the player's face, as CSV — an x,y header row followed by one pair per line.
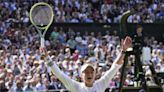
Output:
x,y
88,76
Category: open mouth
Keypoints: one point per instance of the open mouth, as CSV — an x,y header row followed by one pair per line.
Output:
x,y
89,78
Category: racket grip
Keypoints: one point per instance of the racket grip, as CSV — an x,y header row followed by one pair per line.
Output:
x,y
42,42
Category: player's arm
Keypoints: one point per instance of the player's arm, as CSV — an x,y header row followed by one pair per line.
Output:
x,y
124,46
69,83
104,80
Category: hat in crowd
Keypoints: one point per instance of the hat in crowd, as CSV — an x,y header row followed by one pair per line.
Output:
x,y
9,71
67,50
85,66
36,62
90,45
15,57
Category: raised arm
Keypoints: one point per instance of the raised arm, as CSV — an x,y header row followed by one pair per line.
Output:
x,y
125,44
104,80
69,83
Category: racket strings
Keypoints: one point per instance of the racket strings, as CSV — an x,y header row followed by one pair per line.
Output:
x,y
41,15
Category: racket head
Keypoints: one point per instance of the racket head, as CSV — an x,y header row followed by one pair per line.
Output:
x,y
41,15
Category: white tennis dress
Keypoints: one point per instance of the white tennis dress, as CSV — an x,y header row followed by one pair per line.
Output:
x,y
74,86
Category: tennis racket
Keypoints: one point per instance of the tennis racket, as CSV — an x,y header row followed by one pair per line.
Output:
x,y
41,16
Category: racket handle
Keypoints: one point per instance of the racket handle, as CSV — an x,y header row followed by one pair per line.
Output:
x,y
42,42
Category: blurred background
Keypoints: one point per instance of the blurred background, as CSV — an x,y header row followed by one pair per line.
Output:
x,y
82,30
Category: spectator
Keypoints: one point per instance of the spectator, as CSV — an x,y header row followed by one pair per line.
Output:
x,y
129,81
28,87
2,86
19,86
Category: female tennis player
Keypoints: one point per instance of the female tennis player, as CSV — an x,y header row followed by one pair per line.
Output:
x,y
88,73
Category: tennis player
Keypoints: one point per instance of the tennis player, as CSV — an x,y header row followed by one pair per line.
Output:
x,y
88,73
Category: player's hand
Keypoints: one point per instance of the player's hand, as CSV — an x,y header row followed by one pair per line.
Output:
x,y
126,43
45,56
43,51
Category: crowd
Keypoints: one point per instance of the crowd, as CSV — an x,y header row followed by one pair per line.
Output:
x,y
87,11
23,69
